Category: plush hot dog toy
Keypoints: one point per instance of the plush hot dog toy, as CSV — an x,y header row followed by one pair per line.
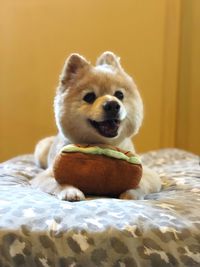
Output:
x,y
98,169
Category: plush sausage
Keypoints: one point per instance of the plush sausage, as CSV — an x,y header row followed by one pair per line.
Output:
x,y
98,169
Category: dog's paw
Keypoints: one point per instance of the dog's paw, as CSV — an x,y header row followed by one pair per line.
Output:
x,y
70,194
133,194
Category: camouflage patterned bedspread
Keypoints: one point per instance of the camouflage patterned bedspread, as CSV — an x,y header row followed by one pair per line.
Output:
x,y
36,229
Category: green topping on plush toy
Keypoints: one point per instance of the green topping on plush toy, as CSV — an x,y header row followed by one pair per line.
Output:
x,y
105,151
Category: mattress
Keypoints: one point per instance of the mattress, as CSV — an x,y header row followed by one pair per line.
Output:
x,y
37,229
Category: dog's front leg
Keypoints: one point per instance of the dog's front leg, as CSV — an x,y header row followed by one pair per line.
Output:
x,y
46,183
150,183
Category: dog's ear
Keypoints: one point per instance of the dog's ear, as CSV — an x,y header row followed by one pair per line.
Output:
x,y
73,67
109,58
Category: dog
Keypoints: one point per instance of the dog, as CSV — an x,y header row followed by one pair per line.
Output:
x,y
93,104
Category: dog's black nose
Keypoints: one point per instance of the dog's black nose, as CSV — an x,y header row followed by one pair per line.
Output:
x,y
111,108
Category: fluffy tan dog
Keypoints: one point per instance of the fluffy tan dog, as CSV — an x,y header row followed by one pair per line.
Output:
x,y
93,104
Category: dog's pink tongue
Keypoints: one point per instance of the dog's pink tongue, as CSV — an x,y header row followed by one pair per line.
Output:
x,y
110,126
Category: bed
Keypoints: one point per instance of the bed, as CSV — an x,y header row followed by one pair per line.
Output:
x,y
36,229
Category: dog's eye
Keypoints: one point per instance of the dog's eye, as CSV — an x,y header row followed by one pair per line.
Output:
x,y
89,97
119,95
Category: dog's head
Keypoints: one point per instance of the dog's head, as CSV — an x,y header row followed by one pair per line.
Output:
x,y
97,104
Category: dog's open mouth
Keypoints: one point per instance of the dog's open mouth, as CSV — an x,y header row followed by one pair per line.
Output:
x,y
107,128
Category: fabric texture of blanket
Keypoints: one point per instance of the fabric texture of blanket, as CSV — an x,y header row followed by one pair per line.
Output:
x,y
37,229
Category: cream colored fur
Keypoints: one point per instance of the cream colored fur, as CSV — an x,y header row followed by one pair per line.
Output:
x,y
79,77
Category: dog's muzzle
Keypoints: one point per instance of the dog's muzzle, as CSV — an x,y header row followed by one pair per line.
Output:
x,y
108,127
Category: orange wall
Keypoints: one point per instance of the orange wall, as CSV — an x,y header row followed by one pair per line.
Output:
x,y
37,35
188,103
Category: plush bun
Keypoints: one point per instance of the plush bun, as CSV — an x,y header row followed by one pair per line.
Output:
x,y
98,169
